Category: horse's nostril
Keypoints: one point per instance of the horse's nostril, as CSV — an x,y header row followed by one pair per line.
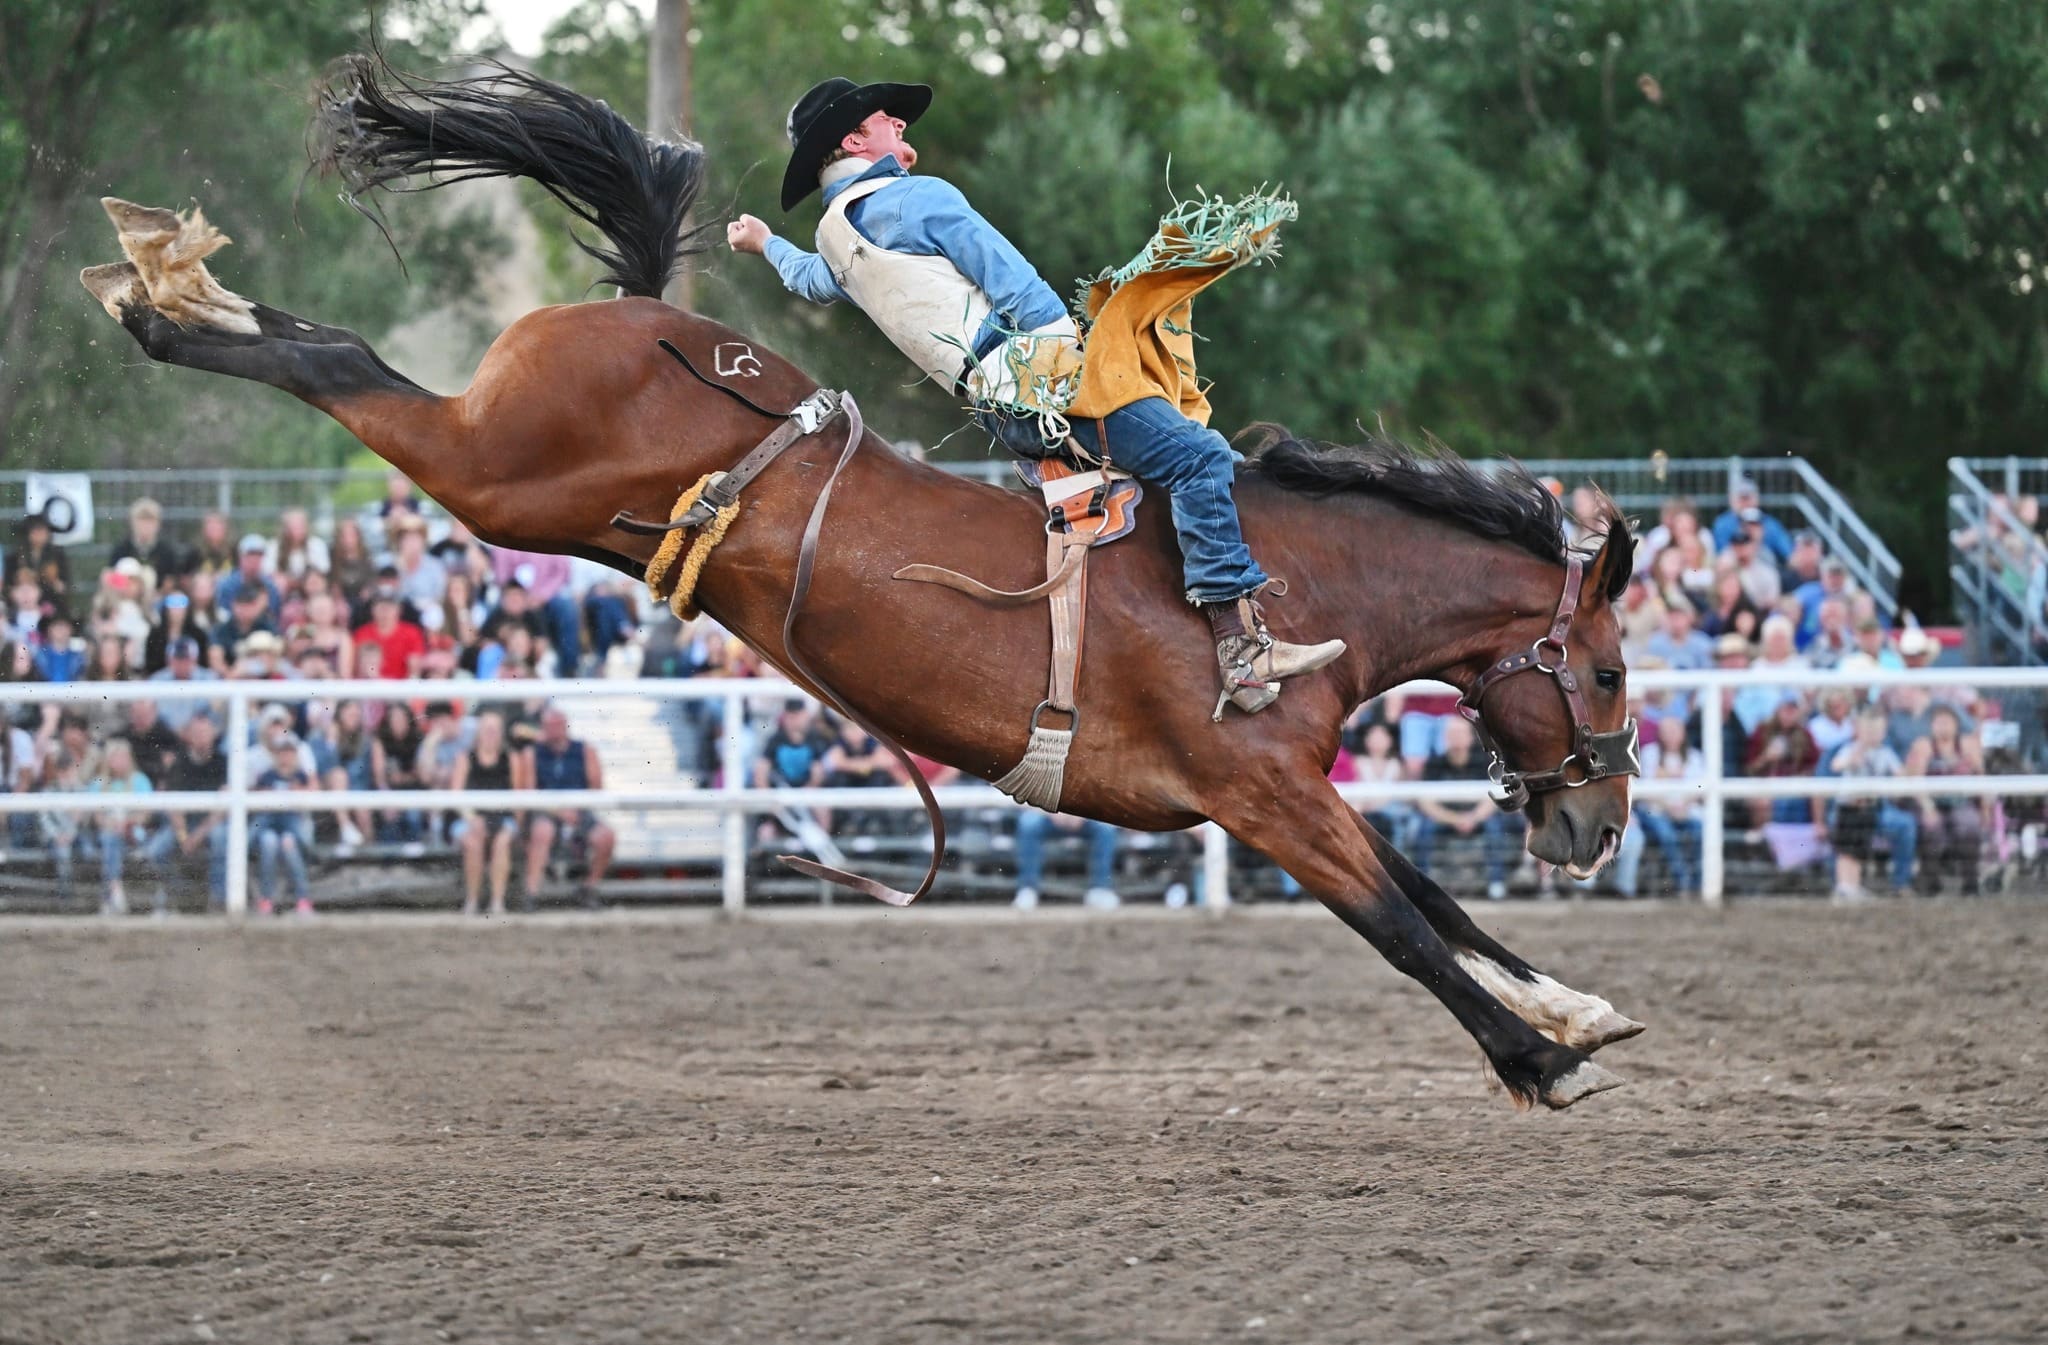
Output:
x,y
1610,837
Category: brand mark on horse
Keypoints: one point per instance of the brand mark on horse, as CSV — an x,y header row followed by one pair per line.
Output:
x,y
735,358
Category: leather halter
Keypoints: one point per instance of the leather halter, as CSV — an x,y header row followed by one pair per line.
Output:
x,y
1593,756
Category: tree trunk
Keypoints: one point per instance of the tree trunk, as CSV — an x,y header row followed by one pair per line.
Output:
x,y
18,357
668,99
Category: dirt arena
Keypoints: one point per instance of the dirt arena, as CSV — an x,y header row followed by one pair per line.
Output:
x,y
967,1127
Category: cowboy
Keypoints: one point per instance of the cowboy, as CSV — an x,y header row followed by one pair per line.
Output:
x,y
962,302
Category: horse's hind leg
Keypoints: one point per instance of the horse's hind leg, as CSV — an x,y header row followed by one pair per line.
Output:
x,y
1552,1008
1309,832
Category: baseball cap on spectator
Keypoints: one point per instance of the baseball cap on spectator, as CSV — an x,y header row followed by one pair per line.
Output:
x,y
1804,536
1915,643
183,647
262,642
1745,486
251,542
1833,566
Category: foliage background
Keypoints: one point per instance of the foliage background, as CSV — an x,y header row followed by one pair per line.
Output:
x,y
1581,228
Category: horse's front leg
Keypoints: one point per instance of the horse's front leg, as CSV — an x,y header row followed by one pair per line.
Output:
x,y
1308,830
1552,1008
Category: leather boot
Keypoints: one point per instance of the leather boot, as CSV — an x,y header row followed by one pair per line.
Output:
x,y
1252,662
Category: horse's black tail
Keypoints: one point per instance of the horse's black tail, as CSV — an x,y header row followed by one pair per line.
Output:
x,y
376,127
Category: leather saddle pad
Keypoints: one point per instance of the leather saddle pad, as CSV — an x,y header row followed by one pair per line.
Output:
x,y
1071,496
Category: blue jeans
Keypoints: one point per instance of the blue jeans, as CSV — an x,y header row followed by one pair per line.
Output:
x,y
163,849
1031,829
282,841
1195,466
1679,839
565,625
1493,832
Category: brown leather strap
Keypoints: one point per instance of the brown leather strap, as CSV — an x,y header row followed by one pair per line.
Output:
x,y
806,565
995,597
726,487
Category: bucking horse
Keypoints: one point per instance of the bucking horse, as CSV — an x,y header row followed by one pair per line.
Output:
x,y
586,417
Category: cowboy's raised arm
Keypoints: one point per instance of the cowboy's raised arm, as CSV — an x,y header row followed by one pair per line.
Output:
x,y
804,274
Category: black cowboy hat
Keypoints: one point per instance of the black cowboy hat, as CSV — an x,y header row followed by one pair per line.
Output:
x,y
829,113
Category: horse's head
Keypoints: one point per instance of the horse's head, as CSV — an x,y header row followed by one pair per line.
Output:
x,y
1554,715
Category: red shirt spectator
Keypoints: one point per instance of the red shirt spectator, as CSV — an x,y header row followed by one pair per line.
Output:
x,y
399,643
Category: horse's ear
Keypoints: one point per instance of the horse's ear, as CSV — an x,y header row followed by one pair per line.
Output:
x,y
1615,562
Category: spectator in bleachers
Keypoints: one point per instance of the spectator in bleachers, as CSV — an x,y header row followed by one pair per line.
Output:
x,y
199,769
107,661
350,566
562,762
283,840
1666,578
1678,523
119,830
325,632
1679,643
155,745
60,657
1376,763
117,608
1831,582
343,756
1744,500
1952,826
21,769
262,659
462,616
296,551
146,543
1641,613
1673,825
1857,825
1032,827
1802,565
1873,644
1832,639
395,765
26,608
1782,747
611,611
174,622
399,497
1731,612
1460,761
64,831
1834,723
249,616
399,643
1748,559
1778,649
545,580
421,579
181,664
487,835
38,554
248,577
214,554
794,755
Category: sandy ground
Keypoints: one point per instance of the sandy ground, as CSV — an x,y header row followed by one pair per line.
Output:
x,y
965,1127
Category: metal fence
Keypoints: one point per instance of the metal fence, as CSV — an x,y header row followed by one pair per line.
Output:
x,y
1998,565
733,800
1788,486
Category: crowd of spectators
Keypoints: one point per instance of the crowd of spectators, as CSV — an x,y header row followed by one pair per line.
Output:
x,y
388,594
391,593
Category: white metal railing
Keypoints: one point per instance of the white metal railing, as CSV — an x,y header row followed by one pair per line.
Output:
x,y
1999,545
733,799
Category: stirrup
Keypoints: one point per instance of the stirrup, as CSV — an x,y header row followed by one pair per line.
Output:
x,y
1241,684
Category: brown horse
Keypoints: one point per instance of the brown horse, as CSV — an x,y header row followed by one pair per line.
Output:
x,y
1425,566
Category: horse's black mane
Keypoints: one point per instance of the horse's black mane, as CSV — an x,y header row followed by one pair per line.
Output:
x,y
1508,504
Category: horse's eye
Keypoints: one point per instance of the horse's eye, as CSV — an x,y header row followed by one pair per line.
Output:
x,y
1609,679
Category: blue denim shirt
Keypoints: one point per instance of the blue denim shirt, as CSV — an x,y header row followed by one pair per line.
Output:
x,y
928,217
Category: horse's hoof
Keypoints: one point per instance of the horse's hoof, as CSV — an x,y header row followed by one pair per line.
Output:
x,y
139,220
117,285
1605,1029
1582,1082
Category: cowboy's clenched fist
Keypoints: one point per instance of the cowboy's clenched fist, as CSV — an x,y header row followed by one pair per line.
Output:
x,y
747,234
